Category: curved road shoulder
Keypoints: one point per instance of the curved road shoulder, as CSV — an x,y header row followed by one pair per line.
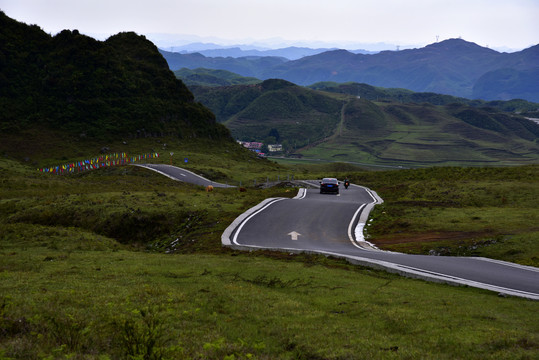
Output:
x,y
227,239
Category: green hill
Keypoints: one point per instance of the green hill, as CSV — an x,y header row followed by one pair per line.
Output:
x,y
375,93
72,86
361,123
251,111
210,77
420,134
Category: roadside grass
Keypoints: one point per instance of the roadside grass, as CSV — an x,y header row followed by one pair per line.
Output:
x,y
409,155
457,211
125,263
108,303
449,211
331,151
132,205
220,161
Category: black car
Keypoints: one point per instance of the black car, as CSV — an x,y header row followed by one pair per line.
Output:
x,y
329,185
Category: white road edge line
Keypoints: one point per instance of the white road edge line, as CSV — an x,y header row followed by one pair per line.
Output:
x,y
403,270
406,271
358,240
507,263
147,166
302,192
234,240
157,171
242,219
359,226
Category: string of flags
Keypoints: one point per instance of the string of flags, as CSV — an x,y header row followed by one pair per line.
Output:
x,y
99,162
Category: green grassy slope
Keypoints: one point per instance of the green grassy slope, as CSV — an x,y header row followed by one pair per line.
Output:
x,y
425,134
76,283
105,303
210,77
136,206
375,93
250,112
361,123
488,212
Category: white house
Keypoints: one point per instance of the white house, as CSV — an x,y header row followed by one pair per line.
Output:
x,y
275,147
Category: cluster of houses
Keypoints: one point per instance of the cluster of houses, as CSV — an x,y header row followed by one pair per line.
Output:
x,y
257,147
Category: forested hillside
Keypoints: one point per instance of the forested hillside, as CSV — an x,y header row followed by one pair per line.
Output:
x,y
77,85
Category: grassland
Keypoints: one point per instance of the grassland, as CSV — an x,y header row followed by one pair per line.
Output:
x,y
489,212
68,301
123,263
422,134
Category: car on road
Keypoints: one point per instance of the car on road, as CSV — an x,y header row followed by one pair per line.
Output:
x,y
329,185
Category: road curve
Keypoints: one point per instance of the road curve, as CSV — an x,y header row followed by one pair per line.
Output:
x,y
180,174
333,225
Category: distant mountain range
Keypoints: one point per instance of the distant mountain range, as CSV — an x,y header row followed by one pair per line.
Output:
x,y
453,67
289,53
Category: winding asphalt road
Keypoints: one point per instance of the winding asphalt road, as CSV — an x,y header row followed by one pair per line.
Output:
x,y
183,175
333,225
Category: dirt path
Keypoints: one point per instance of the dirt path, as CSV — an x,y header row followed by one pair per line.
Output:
x,y
340,126
337,133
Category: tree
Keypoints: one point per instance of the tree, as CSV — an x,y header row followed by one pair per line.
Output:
x,y
270,140
274,133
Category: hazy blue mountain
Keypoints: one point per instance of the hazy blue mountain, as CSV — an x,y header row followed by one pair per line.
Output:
x,y
449,67
290,52
246,66
505,84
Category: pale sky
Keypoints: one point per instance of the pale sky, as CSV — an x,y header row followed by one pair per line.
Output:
x,y
509,24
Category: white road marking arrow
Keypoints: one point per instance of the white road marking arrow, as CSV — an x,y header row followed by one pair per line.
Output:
x,y
294,235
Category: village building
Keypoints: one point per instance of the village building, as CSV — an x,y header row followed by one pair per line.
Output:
x,y
275,147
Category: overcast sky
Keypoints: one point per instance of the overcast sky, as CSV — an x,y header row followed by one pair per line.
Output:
x,y
501,24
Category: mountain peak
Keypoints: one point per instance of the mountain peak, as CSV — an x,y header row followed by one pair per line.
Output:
x,y
75,84
458,44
